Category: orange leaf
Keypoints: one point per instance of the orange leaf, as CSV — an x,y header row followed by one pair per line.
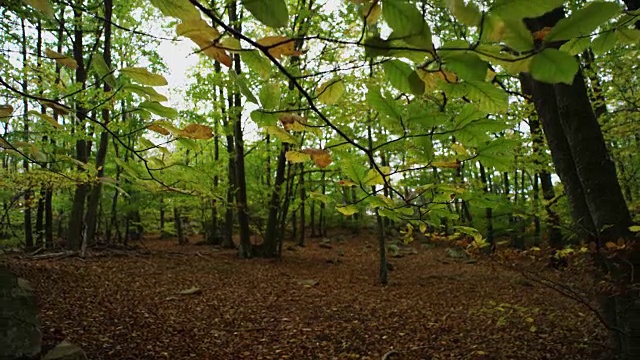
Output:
x,y
611,245
321,157
541,34
197,131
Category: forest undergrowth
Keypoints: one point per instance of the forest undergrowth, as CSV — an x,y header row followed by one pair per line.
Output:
x,y
167,301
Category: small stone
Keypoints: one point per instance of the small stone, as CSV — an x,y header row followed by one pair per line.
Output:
x,y
66,351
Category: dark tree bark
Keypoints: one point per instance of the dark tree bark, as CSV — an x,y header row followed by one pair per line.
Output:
x,y
593,182
76,227
28,194
91,219
488,211
303,197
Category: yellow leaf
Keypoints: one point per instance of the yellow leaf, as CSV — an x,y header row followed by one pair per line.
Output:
x,y
372,12
423,228
43,6
6,110
231,44
197,132
321,157
61,59
296,157
346,182
634,228
432,78
279,46
143,76
459,149
180,9
281,134
330,91
347,210
197,30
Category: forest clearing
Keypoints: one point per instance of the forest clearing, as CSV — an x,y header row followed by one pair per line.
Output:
x,y
315,303
319,179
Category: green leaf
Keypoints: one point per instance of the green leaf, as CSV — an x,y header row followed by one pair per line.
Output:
x,y
576,46
634,228
331,91
282,135
347,210
467,14
407,23
373,177
375,46
191,145
604,42
628,36
381,104
263,118
244,88
181,9
145,144
518,9
554,66
145,91
397,73
297,157
483,95
517,36
270,95
159,109
127,168
272,13
104,72
466,65
47,118
256,62
584,21
143,76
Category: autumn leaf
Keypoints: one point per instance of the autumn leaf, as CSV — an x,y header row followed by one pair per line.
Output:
x,y
159,129
5,111
541,34
61,59
321,157
279,46
372,12
296,157
446,164
293,122
57,108
347,210
143,76
196,132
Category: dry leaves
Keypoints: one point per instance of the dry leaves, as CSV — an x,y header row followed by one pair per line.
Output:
x,y
115,307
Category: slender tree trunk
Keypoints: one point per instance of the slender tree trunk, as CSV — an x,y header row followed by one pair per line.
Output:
x,y
76,226
28,194
488,211
303,197
91,219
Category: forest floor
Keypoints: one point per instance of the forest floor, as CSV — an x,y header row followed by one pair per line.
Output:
x,y
317,303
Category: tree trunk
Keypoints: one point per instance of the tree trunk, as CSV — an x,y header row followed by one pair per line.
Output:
x,y
488,211
76,226
28,194
91,218
593,189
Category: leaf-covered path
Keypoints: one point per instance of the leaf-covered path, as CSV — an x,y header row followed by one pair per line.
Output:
x,y
129,307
